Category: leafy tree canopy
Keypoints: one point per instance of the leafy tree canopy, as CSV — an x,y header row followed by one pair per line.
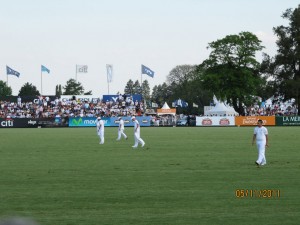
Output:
x,y
129,88
4,89
284,68
28,89
231,71
73,88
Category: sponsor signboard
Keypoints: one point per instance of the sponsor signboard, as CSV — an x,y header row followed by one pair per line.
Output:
x,y
34,99
87,121
215,121
287,120
252,120
81,98
166,111
7,123
31,122
108,121
143,120
115,98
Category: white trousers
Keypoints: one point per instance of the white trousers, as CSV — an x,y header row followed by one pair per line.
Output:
x,y
261,147
138,139
121,133
101,136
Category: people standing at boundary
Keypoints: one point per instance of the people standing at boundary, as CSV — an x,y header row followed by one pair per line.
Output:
x,y
121,130
262,141
100,129
137,138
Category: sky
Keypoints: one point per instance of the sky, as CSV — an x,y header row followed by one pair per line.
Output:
x,y
160,34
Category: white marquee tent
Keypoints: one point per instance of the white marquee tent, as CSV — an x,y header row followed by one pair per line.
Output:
x,y
221,110
165,106
166,110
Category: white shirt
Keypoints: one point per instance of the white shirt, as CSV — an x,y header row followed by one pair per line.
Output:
x,y
136,126
121,124
100,125
261,133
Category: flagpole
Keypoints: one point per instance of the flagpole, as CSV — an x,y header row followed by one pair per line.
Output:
x,y
142,91
142,82
41,82
76,73
107,84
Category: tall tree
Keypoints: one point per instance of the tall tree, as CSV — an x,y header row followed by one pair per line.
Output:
x,y
180,74
185,83
88,93
231,71
58,91
28,89
284,68
73,88
129,88
4,89
146,90
137,87
162,93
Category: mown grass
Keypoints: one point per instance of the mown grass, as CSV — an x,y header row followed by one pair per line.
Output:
x,y
183,176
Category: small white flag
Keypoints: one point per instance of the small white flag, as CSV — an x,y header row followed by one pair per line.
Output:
x,y
81,68
195,105
154,105
109,71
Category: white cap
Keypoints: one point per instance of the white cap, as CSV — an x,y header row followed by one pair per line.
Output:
x,y
119,117
133,117
99,118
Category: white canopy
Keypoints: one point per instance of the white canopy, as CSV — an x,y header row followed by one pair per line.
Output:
x,y
165,110
221,110
165,106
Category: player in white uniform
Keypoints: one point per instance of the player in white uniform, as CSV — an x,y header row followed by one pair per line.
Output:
x,y
261,137
100,129
137,138
121,130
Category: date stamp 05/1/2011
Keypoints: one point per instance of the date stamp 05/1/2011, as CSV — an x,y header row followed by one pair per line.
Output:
x,y
252,193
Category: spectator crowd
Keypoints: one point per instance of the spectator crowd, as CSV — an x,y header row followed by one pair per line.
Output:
x,y
275,107
44,107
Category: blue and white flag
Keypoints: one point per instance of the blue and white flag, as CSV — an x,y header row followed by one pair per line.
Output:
x,y
45,69
146,70
180,103
109,70
10,71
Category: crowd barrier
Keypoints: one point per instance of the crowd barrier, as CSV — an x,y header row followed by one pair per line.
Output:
x,y
215,121
252,120
288,121
32,122
108,121
145,121
247,120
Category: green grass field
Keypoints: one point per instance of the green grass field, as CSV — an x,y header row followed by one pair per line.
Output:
x,y
182,176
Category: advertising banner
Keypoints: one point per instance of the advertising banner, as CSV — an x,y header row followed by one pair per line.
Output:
x,y
287,120
115,98
252,120
108,121
34,99
31,122
166,111
87,121
143,120
81,98
215,121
